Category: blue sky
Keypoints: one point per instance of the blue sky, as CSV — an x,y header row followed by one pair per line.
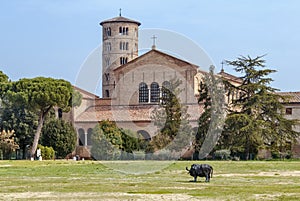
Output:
x,y
52,38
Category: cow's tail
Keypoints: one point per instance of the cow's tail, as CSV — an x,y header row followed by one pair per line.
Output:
x,y
212,171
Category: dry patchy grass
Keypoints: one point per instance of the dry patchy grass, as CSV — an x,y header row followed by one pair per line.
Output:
x,y
96,180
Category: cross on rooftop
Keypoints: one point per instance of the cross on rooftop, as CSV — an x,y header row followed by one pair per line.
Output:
x,y
222,70
153,38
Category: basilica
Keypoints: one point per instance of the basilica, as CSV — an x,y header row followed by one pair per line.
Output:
x,y
132,86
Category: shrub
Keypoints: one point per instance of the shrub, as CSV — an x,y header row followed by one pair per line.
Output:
x,y
223,154
48,153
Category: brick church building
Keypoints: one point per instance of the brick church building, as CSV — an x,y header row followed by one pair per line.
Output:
x,y
131,85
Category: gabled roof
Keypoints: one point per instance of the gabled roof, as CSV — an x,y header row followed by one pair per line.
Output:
x,y
120,19
158,53
86,94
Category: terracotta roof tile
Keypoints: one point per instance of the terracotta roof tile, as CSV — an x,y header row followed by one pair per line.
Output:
x,y
128,113
293,97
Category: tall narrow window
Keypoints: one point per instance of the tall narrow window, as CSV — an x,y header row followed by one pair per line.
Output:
x,y
154,90
107,61
107,31
89,137
123,60
123,30
143,93
124,45
107,93
107,46
81,137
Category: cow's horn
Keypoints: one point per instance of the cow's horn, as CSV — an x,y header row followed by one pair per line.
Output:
x,y
187,168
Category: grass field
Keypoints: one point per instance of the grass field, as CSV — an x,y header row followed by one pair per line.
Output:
x,y
95,180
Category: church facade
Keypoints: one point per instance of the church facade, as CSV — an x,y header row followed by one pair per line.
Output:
x,y
132,85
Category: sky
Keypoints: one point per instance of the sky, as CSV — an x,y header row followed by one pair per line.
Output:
x,y
53,38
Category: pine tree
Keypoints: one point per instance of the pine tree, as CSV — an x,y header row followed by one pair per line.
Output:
x,y
256,118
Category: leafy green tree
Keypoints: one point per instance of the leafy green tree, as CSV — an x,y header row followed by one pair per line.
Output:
x,y
59,135
101,149
131,141
171,118
40,95
16,117
22,121
3,77
111,142
256,118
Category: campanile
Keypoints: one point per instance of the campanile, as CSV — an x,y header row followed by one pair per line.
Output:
x,y
119,46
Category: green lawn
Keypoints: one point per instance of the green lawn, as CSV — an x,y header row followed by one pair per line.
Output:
x,y
95,180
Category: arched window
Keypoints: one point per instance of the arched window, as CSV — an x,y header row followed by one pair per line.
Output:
x,y
89,137
143,93
107,31
107,61
107,46
124,45
81,137
123,60
123,30
154,90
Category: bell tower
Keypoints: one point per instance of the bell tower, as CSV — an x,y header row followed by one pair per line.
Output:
x,y
120,45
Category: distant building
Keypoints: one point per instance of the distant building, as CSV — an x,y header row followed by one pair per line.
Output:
x,y
292,111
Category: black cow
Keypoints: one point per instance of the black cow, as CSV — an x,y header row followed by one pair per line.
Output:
x,y
201,170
